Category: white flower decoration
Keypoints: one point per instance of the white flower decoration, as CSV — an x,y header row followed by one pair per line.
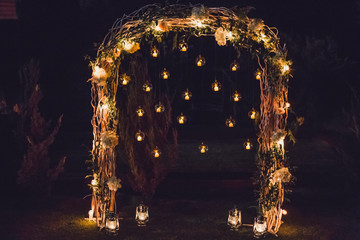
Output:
x,y
114,183
280,175
220,36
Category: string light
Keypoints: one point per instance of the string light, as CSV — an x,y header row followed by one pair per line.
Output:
x,y
203,148
140,112
236,96
165,74
181,118
284,212
216,86
230,122
159,108
200,61
187,95
147,87
154,52
124,79
140,136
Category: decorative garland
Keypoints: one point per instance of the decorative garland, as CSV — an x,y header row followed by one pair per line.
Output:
x,y
232,27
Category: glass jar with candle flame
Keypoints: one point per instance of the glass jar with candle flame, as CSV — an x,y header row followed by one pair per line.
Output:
x,y
140,112
147,87
181,119
156,152
142,215
216,86
124,79
234,66
234,219
140,136
111,224
187,95
203,147
154,52
230,122
159,108
248,145
200,61
236,96
165,74
183,46
252,114
260,226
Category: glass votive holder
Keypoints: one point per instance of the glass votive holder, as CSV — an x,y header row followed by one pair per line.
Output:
x,y
234,219
260,226
112,223
142,215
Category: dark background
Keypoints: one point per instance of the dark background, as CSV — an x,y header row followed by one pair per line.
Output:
x,y
321,36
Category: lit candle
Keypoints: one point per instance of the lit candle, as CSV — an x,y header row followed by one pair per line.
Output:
x,y
147,89
156,154
231,124
139,138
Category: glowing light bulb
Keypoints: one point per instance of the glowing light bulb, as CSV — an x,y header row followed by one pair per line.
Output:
x,y
187,95
287,105
183,46
165,74
286,68
236,96
156,152
284,212
159,108
203,148
230,122
258,74
234,66
139,136
147,87
154,52
252,114
247,145
200,61
216,86
124,79
140,112
181,118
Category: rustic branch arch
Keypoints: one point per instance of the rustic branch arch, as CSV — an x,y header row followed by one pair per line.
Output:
x,y
229,26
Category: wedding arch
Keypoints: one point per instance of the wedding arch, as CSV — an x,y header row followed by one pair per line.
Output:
x,y
229,27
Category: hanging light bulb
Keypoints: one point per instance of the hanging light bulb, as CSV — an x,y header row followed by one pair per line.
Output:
x,y
216,86
140,112
285,68
147,87
287,105
181,118
284,212
140,136
258,74
187,95
156,152
154,52
236,96
252,114
165,74
248,145
200,61
203,147
234,66
230,122
183,46
124,79
159,108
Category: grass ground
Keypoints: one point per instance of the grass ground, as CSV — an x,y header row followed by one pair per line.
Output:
x,y
193,202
